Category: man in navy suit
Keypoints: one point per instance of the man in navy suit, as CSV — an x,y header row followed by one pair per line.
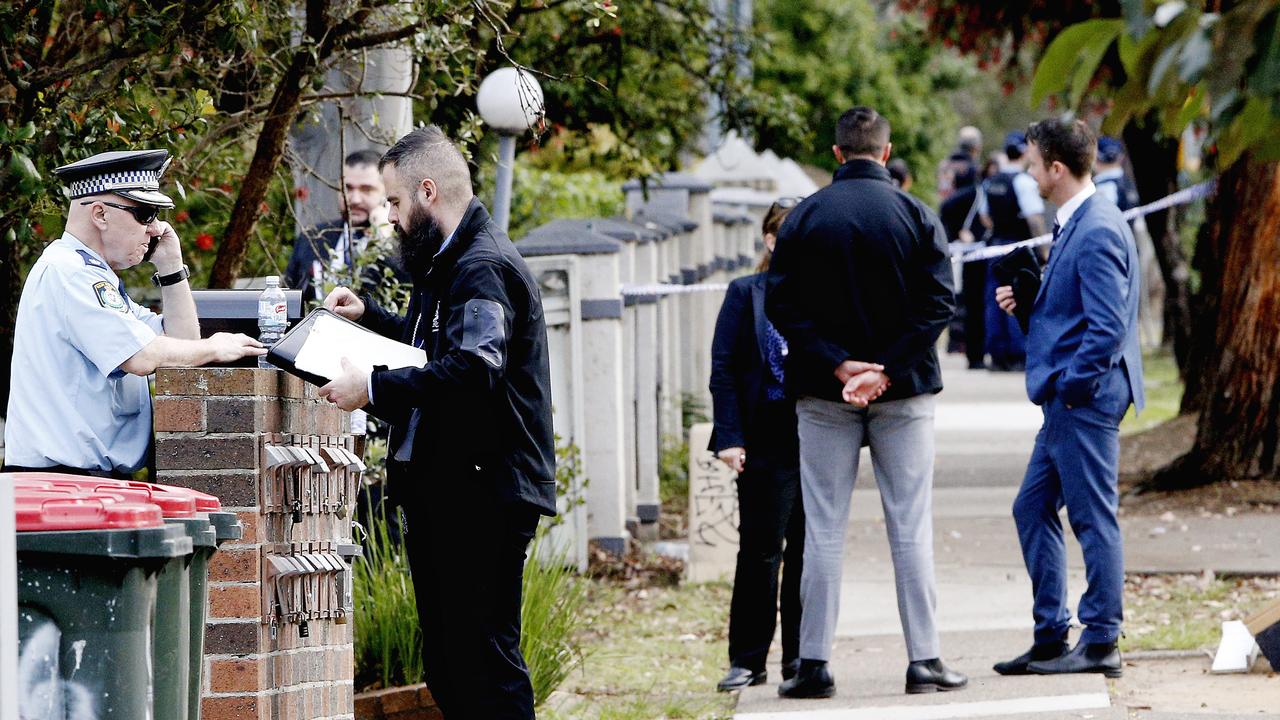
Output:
x,y
1084,368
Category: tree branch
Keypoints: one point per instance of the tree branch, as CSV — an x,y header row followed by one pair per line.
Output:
x,y
375,39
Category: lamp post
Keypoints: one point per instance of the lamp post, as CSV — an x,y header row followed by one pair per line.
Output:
x,y
509,101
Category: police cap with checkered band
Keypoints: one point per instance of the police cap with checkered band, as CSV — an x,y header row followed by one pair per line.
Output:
x,y
134,174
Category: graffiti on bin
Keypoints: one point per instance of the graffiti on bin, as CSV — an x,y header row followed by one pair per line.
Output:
x,y
42,693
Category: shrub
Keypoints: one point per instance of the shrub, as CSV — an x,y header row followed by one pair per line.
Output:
x,y
388,638
551,617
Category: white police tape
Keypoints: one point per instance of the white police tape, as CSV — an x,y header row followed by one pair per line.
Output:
x,y
962,254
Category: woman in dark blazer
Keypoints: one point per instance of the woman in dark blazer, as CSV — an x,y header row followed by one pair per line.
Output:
x,y
752,413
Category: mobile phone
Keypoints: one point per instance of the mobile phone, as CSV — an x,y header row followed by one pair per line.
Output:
x,y
151,248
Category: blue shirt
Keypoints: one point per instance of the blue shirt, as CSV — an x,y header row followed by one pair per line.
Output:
x,y
69,401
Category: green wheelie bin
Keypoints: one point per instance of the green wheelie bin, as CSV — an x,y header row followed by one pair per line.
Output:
x,y
226,527
88,566
181,588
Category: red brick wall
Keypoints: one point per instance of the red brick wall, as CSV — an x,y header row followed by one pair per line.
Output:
x,y
211,427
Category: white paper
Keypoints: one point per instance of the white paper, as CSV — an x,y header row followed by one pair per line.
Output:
x,y
1237,651
332,339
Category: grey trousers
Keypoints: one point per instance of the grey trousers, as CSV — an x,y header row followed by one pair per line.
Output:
x,y
901,437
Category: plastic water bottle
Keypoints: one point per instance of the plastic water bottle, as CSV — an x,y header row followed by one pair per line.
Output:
x,y
273,317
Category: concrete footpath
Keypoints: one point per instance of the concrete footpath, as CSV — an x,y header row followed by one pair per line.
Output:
x,y
986,429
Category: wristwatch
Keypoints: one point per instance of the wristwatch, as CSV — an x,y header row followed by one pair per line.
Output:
x,y
172,279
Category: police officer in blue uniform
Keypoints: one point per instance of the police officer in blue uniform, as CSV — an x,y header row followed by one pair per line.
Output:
x,y
1109,176
82,349
1011,206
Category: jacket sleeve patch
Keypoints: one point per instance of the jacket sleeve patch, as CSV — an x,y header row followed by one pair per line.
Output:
x,y
108,296
484,331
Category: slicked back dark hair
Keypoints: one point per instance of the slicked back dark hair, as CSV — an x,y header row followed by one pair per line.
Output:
x,y
361,158
862,131
1068,141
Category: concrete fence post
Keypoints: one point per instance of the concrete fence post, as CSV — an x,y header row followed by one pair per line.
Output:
x,y
599,260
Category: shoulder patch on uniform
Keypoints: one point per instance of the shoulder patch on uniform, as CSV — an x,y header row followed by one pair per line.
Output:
x,y
92,261
108,296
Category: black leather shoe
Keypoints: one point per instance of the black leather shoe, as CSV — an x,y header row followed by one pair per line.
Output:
x,y
812,680
926,676
1039,651
740,677
789,669
1084,658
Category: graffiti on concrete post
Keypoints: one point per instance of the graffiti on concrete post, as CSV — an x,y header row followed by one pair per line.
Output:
x,y
713,511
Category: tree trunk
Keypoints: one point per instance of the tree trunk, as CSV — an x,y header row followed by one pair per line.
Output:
x,y
1155,168
266,157
1237,344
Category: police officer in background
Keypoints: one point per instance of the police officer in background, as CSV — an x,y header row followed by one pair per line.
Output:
x,y
472,455
82,349
1011,207
1109,176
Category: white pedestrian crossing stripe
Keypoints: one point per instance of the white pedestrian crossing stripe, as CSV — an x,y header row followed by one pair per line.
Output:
x,y
1018,707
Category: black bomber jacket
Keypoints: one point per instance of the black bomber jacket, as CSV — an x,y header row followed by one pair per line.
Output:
x,y
482,403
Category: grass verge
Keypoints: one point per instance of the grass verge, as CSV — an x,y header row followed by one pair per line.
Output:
x,y
654,652
1186,612
1163,390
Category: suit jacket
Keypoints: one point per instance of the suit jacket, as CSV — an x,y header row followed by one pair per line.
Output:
x,y
1085,317
739,362
318,243
861,271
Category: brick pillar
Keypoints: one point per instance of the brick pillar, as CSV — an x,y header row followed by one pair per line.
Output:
x,y
212,427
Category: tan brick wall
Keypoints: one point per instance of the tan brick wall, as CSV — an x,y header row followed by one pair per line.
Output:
x,y
211,427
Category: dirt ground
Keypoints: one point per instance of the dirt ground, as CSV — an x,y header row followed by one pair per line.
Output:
x,y
1185,685
1142,453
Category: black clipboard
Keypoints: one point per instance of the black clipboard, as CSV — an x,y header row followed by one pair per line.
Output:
x,y
284,354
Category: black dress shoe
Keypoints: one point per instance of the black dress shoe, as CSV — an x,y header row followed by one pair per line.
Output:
x,y
1084,658
740,677
1039,651
790,668
926,676
812,680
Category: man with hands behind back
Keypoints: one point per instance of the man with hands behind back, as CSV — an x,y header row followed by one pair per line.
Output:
x,y
860,286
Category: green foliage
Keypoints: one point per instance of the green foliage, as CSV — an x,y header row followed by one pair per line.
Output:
x,y
551,620
540,196
822,57
1073,58
692,410
571,486
388,639
1190,65
673,474
644,75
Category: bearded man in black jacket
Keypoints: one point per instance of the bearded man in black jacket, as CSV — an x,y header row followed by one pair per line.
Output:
x,y
472,456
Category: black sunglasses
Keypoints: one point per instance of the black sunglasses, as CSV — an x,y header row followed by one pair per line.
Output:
x,y
144,214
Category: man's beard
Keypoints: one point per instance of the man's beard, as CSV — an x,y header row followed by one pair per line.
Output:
x,y
420,243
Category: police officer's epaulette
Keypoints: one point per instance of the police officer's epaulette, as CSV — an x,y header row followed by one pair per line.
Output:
x,y
92,261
